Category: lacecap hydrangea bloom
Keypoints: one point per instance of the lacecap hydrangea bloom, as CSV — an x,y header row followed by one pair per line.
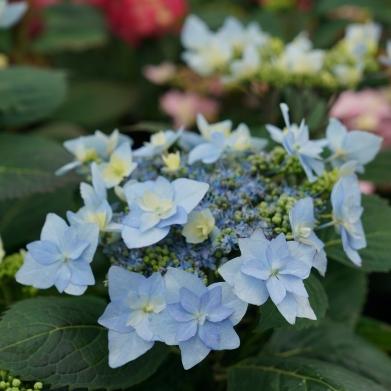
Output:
x,y
238,54
198,226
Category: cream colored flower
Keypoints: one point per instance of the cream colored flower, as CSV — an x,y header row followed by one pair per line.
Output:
x,y
199,226
172,161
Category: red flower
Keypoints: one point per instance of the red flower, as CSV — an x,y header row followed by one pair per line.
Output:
x,y
134,20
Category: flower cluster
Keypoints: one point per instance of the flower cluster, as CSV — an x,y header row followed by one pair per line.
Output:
x,y
238,54
203,225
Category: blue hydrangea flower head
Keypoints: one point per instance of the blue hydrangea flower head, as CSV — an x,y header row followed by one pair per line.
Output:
x,y
302,221
157,205
198,318
94,148
11,13
159,142
347,211
96,209
355,145
61,258
271,269
295,140
135,301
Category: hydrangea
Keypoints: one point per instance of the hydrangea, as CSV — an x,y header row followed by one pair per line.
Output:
x,y
157,205
159,143
347,211
96,209
296,142
135,300
249,215
355,145
198,318
95,148
61,258
269,269
11,13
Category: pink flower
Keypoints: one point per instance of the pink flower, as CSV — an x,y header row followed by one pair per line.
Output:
x,y
367,187
134,20
365,110
160,74
183,107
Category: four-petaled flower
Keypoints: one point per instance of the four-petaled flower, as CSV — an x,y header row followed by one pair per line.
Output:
x,y
347,211
295,140
302,221
94,148
271,268
159,142
135,300
61,258
157,205
198,318
355,145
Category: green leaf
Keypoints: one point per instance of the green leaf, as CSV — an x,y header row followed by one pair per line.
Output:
x,y
346,289
296,373
94,103
376,332
28,165
378,171
71,27
270,317
376,221
334,343
59,341
28,95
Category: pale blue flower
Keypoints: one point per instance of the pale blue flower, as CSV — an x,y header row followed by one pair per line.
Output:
x,y
157,205
159,142
347,211
386,59
362,38
218,138
206,52
246,66
96,209
61,258
93,148
198,318
11,13
302,221
272,269
354,145
135,300
296,142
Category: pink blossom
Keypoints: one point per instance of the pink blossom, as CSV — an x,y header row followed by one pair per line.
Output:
x,y
365,110
183,107
367,187
160,74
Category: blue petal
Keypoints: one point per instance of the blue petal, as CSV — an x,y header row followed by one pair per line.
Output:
x,y
189,193
362,146
37,275
175,279
209,334
352,254
250,290
116,318
122,281
12,13
134,238
186,330
189,301
44,252
180,217
208,153
81,273
228,338
193,351
178,313
276,289
164,327
229,270
75,290
125,347
54,228
288,308
63,278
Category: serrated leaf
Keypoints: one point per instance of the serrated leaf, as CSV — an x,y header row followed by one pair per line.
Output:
x,y
59,341
71,27
28,95
270,317
376,220
94,103
295,373
337,344
28,164
346,289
